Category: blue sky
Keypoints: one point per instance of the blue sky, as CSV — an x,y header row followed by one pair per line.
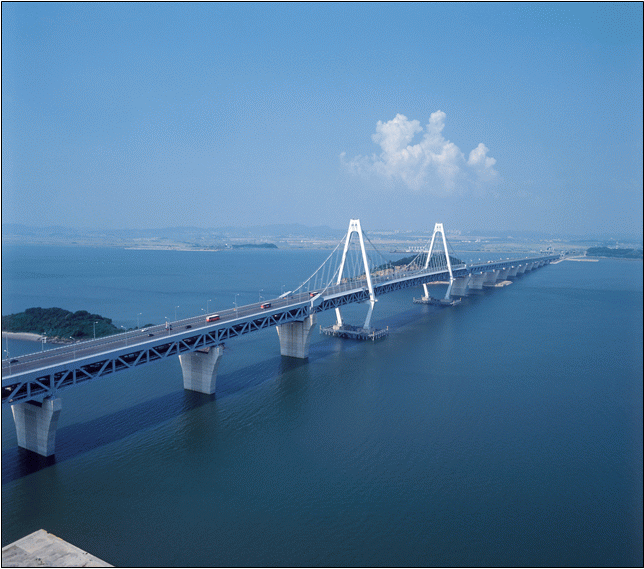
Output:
x,y
496,116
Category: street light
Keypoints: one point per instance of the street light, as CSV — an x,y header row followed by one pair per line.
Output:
x,y
260,294
137,320
74,343
125,332
235,301
175,313
208,305
95,323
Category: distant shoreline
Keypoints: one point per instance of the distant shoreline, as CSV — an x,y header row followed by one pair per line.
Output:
x,y
28,336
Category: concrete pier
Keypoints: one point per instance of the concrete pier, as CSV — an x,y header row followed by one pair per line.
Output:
x,y
36,424
200,369
43,549
503,274
295,337
513,271
490,278
459,287
476,282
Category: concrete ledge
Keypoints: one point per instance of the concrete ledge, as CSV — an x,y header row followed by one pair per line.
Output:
x,y
43,549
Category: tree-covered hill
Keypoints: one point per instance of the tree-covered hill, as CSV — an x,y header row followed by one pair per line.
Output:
x,y
60,323
618,253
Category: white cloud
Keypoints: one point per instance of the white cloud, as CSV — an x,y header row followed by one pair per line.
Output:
x,y
434,164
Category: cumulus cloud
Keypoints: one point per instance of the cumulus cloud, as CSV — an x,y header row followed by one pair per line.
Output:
x,y
433,164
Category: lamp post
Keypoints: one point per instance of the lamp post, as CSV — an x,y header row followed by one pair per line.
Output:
x,y
74,343
43,339
125,332
175,313
95,323
137,320
260,294
208,305
235,301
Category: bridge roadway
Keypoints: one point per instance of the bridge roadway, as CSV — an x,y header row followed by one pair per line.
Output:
x,y
40,374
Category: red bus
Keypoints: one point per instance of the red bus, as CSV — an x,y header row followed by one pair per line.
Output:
x,y
212,318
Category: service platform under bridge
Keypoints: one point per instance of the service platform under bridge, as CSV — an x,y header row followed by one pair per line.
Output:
x,y
437,301
355,332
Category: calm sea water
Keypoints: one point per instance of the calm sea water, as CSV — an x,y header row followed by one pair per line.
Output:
x,y
504,431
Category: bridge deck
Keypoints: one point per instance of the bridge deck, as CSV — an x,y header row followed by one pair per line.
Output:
x,y
35,375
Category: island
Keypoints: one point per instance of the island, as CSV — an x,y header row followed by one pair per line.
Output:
x,y
59,325
254,246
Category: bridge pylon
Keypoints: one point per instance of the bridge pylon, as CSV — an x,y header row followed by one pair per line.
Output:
x,y
438,228
354,227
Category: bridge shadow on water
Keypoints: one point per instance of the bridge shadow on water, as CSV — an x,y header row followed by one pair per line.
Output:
x,y
75,440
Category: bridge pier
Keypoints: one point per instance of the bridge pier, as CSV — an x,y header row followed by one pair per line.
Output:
x,y
36,424
513,271
295,337
490,278
459,286
200,369
503,274
522,269
476,281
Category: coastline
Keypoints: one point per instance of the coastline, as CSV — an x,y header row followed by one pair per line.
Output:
x,y
28,336
22,336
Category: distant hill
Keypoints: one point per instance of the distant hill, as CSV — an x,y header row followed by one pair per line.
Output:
x,y
174,233
255,246
617,253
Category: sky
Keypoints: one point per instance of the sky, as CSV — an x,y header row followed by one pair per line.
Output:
x,y
496,116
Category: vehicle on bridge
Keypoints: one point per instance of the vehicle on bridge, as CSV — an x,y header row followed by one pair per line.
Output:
x,y
212,318
265,305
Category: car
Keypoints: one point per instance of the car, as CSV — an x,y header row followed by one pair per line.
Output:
x,y
150,335
265,305
312,294
144,329
188,327
14,361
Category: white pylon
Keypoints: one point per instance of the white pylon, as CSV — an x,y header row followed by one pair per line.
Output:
x,y
354,227
438,227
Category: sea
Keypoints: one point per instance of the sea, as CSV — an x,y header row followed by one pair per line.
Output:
x,y
504,431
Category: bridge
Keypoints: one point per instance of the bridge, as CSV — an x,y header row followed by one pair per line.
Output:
x,y
351,274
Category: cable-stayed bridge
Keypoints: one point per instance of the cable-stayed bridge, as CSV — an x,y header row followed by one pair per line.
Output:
x,y
352,273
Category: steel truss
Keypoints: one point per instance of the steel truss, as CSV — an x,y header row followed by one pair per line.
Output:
x,y
35,385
